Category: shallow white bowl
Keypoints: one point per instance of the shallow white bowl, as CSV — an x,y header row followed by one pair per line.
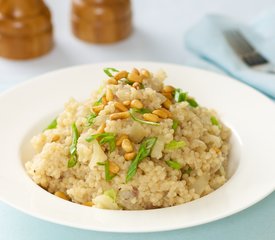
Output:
x,y
29,107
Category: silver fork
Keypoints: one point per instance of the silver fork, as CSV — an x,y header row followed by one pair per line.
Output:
x,y
247,52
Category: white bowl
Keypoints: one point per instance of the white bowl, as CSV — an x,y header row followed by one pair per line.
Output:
x,y
27,108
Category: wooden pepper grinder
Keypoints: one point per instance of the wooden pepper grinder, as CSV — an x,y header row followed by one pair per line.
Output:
x,y
101,21
25,29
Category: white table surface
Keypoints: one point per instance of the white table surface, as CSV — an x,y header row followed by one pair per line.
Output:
x,y
159,27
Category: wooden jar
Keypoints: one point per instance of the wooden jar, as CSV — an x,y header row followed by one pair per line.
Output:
x,y
25,29
101,21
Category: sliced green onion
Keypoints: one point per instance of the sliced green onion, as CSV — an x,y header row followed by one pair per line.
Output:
x,y
98,102
187,171
175,124
100,89
179,95
111,193
72,161
142,110
108,175
214,121
173,164
109,138
100,163
52,125
126,81
73,148
132,112
192,102
143,152
175,145
91,119
141,86
109,70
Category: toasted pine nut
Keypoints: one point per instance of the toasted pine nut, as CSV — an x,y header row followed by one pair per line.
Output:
x,y
109,95
217,150
120,139
126,103
120,75
151,117
104,100
136,85
145,73
112,81
160,113
136,104
101,128
129,156
135,71
168,95
168,89
98,108
119,106
88,204
120,115
169,114
127,145
55,138
135,76
167,103
114,168
62,195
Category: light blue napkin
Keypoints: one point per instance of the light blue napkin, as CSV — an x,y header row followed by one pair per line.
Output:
x,y
206,39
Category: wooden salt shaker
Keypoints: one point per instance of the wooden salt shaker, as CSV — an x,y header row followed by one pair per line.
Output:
x,y
101,21
25,29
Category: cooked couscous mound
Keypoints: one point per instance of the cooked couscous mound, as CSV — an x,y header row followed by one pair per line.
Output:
x,y
134,144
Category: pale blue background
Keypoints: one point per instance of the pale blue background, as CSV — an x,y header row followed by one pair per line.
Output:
x,y
257,222
159,29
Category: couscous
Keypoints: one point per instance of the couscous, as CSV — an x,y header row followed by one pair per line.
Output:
x,y
134,144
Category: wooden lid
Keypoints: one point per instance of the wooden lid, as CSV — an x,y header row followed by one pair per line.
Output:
x,y
102,10
24,17
25,29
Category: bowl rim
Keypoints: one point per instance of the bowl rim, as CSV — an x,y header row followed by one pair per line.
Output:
x,y
170,211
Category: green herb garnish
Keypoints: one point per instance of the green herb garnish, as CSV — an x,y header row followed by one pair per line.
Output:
x,y
214,121
143,152
98,102
100,163
109,138
175,124
173,164
179,95
72,161
111,193
52,125
141,86
174,145
142,110
192,102
109,70
126,81
73,148
187,171
132,113
91,119
108,175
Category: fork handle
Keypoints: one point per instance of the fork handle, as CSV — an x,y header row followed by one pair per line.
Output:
x,y
268,68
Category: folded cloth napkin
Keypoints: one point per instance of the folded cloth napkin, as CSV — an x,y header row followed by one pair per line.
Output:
x,y
206,39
